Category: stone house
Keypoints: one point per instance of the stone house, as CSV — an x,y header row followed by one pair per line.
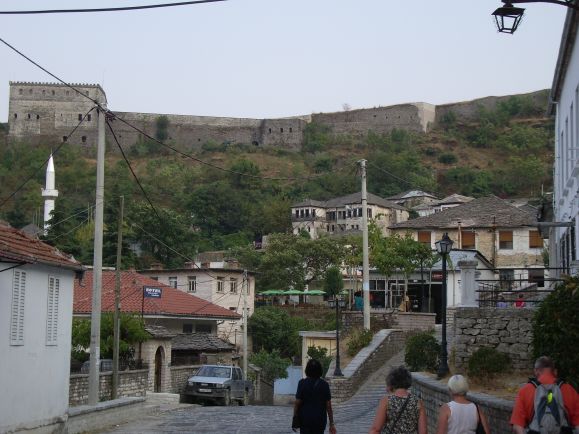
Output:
x,y
35,334
451,201
167,314
508,236
564,237
412,198
217,280
343,215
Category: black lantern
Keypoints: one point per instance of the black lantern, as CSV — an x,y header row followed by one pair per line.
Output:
x,y
443,247
508,18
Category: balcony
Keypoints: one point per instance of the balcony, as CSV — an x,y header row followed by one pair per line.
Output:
x,y
309,218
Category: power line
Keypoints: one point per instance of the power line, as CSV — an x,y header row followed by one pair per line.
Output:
x,y
118,9
45,162
132,171
409,183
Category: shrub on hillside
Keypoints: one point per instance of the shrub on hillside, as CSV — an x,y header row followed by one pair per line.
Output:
x,y
422,350
487,362
556,329
447,158
359,338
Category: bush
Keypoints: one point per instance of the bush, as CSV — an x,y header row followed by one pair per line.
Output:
x,y
447,158
273,365
359,338
487,362
422,352
321,355
556,329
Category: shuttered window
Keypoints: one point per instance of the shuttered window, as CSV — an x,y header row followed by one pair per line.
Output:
x,y
467,239
535,240
52,310
424,237
17,309
506,240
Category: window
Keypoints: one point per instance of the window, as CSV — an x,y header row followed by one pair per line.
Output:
x,y
17,309
37,117
308,229
52,310
187,328
535,240
290,129
467,239
270,131
80,116
19,91
297,213
15,115
173,281
28,115
192,281
369,212
83,138
203,328
220,284
307,212
89,117
64,138
281,130
301,212
233,285
52,93
425,237
506,240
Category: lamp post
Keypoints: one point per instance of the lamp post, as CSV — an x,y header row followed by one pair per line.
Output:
x,y
443,247
337,302
508,17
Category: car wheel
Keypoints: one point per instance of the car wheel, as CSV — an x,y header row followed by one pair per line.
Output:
x,y
227,398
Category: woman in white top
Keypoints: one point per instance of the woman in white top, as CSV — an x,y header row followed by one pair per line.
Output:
x,y
459,416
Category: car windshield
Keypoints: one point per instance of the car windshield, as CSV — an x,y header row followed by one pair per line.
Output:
x,y
214,371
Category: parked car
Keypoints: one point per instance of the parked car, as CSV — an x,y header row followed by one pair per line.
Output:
x,y
106,365
218,383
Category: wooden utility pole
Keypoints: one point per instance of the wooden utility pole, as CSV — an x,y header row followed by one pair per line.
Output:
x,y
117,314
95,324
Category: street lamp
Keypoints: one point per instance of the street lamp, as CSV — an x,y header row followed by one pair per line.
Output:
x,y
508,17
337,302
443,247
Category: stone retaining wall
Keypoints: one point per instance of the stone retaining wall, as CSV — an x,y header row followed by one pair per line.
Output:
x,y
390,319
179,376
131,384
434,393
508,330
415,321
384,345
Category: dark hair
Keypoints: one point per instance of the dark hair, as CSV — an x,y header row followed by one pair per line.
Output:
x,y
544,362
314,369
399,378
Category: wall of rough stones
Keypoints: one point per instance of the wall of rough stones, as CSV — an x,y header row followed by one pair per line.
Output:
x,y
386,320
508,330
384,345
180,375
435,393
131,383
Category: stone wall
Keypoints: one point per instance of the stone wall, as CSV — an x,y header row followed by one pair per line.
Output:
x,y
434,393
508,330
179,376
131,383
390,319
414,321
384,345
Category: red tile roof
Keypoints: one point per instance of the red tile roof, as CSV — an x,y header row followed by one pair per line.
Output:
x,y
172,302
16,246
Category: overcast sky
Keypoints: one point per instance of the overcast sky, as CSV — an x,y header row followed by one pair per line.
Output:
x,y
272,58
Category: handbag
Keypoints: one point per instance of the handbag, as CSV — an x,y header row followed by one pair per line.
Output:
x,y
388,430
480,429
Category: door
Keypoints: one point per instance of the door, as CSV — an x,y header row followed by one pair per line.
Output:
x,y
159,361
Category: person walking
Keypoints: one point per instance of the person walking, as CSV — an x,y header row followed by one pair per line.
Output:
x,y
313,404
460,416
399,412
545,403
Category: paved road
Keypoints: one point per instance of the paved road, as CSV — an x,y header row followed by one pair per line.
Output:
x,y
352,417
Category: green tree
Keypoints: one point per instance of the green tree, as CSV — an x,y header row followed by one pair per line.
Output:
x,y
333,281
273,364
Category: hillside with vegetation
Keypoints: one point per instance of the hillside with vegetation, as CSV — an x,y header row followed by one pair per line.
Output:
x,y
506,151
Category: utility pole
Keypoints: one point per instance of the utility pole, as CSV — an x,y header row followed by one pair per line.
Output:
x,y
117,320
365,261
95,324
244,288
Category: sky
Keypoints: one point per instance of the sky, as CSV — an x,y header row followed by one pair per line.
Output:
x,y
275,58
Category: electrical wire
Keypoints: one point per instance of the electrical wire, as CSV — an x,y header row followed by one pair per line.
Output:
x,y
411,184
4,201
68,232
117,9
133,172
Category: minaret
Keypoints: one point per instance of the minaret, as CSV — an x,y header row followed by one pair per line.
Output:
x,y
49,193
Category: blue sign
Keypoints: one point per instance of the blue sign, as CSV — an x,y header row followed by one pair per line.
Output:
x,y
151,291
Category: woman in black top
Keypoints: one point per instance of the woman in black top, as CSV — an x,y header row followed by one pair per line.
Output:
x,y
313,403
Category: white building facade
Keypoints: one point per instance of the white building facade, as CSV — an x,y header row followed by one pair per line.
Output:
x,y
35,334
565,107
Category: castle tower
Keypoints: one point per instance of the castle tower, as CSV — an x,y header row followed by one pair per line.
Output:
x,y
49,193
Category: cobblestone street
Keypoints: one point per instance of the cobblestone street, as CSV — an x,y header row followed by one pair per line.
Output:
x,y
352,417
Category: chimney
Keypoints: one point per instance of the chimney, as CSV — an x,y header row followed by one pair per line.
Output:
x,y
189,265
156,266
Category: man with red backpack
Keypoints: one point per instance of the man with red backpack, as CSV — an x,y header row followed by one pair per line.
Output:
x,y
546,405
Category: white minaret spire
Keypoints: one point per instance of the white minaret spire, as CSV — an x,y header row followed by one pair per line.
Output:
x,y
49,193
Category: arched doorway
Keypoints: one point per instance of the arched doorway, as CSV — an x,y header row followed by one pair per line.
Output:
x,y
159,362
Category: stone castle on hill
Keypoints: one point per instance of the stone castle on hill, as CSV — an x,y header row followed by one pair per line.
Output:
x,y
49,111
